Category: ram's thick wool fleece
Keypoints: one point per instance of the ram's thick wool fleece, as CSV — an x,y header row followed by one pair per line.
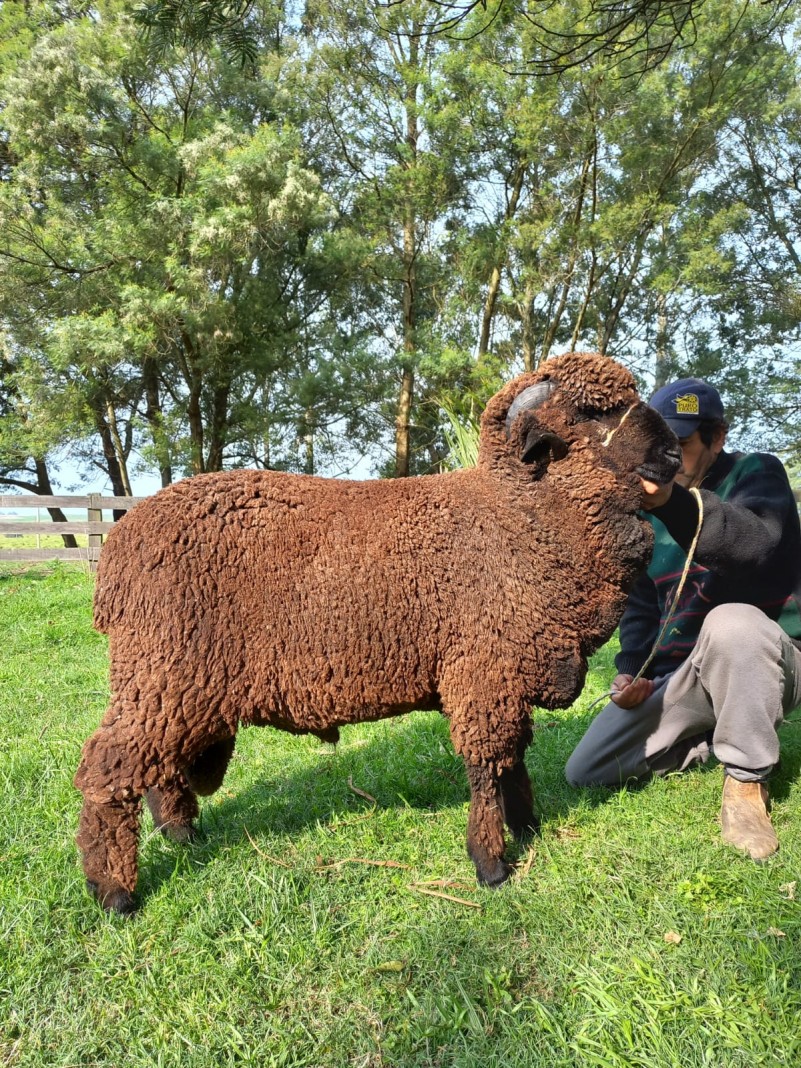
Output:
x,y
252,597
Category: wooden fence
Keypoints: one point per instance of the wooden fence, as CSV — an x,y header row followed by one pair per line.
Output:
x,y
93,526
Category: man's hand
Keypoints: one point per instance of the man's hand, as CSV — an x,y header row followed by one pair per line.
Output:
x,y
628,694
654,495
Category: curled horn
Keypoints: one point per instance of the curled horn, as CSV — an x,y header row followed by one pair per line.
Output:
x,y
527,399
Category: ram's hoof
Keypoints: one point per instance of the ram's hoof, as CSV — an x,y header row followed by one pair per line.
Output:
x,y
494,875
523,832
183,833
119,901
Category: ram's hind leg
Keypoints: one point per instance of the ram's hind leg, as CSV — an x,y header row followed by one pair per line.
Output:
x,y
485,842
108,835
111,777
518,803
173,806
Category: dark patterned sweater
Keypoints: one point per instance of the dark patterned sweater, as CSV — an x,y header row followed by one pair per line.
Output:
x,y
749,551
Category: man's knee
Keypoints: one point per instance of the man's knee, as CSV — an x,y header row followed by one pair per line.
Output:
x,y
737,626
577,771
586,767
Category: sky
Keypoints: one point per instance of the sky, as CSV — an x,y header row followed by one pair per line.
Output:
x,y
67,476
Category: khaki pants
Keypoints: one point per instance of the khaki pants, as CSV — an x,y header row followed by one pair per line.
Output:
x,y
731,694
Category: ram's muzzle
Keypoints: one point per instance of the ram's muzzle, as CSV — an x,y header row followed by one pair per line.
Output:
x,y
663,452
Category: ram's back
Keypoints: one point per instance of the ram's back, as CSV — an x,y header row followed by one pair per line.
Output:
x,y
236,539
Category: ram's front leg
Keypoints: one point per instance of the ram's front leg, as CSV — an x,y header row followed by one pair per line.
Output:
x,y
485,842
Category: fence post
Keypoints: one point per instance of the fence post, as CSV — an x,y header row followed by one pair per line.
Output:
x,y
94,514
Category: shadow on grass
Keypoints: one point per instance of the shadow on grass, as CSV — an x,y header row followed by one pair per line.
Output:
x,y
561,796
12,572
404,763
407,762
788,770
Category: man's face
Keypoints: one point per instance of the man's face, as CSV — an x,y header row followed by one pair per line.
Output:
x,y
697,458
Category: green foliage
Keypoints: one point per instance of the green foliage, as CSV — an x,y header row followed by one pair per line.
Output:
x,y
207,263
708,890
462,441
201,248
201,23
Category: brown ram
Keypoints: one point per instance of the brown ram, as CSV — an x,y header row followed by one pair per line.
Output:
x,y
255,598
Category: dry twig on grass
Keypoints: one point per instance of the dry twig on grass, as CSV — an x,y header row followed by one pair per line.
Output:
x,y
453,884
361,793
272,860
420,889
360,860
525,868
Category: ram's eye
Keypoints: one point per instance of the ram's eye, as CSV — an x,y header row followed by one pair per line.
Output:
x,y
587,415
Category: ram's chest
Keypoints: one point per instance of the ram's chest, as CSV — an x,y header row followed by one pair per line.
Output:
x,y
559,598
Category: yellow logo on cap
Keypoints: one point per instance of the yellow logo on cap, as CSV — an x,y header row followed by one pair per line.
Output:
x,y
687,405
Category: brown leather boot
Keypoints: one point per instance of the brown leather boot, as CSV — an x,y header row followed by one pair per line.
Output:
x,y
744,820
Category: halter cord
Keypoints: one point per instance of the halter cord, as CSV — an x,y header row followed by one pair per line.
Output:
x,y
674,601
614,430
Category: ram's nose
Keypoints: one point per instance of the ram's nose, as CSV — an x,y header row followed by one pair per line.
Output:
x,y
662,468
673,455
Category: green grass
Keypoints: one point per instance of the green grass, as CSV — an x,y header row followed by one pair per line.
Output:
x,y
33,541
237,959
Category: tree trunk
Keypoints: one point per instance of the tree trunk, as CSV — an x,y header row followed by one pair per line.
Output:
x,y
497,272
661,365
402,423
266,443
45,488
195,418
406,398
153,415
588,175
120,486
622,288
219,423
527,325
119,451
194,380
308,442
593,278
590,169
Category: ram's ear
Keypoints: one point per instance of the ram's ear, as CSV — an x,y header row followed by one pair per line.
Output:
x,y
542,446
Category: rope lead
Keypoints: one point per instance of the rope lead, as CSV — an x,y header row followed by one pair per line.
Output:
x,y
674,601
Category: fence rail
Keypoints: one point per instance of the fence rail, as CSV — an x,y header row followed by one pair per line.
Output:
x,y
94,526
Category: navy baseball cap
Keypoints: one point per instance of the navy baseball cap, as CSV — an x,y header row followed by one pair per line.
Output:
x,y
685,404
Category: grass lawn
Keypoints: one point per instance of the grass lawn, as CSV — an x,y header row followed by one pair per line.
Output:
x,y
37,541
630,935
